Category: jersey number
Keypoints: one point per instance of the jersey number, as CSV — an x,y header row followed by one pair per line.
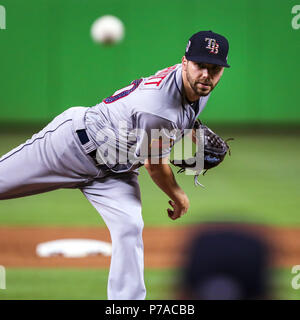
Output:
x,y
123,92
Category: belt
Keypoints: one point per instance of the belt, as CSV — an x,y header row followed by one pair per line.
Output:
x,y
84,139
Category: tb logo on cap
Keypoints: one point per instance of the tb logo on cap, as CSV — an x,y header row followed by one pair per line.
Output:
x,y
212,45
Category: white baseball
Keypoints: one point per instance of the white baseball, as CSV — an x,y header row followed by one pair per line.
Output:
x,y
107,29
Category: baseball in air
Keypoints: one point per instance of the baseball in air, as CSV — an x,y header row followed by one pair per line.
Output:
x,y
107,30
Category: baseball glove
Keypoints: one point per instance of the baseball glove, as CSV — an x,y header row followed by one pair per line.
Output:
x,y
211,151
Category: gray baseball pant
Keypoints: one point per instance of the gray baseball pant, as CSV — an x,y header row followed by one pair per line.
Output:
x,y
54,158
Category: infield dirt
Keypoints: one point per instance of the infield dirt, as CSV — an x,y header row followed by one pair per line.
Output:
x,y
164,247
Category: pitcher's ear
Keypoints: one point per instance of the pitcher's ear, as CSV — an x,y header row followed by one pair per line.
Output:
x,y
184,62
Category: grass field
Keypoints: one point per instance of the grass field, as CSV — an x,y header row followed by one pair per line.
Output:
x,y
69,284
259,183
80,284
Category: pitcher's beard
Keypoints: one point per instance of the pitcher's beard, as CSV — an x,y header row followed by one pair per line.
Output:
x,y
202,92
199,90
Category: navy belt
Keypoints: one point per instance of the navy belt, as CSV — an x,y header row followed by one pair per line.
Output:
x,y
83,137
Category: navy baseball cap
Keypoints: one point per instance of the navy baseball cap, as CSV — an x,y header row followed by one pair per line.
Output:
x,y
208,47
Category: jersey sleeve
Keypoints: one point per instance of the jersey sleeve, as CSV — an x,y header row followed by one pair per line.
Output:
x,y
156,135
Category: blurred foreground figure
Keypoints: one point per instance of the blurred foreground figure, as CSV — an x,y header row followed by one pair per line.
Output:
x,y
227,264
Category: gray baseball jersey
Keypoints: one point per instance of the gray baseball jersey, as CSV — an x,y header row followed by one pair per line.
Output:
x,y
127,119
59,157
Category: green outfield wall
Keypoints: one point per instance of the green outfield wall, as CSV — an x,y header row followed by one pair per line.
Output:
x,y
48,61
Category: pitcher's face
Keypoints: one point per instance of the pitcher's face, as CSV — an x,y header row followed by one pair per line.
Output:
x,y
201,78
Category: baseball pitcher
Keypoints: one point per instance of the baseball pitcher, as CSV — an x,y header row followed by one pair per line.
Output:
x,y
99,150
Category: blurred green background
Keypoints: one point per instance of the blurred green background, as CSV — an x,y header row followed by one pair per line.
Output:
x,y
48,62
